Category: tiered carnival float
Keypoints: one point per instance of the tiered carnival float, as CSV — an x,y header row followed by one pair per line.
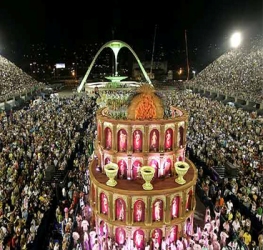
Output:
x,y
142,185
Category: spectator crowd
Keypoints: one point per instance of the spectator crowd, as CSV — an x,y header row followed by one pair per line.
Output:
x,y
237,73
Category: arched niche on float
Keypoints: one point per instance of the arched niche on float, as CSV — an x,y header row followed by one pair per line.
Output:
x,y
139,238
139,209
168,139
120,209
120,235
181,136
158,210
108,138
137,136
122,140
104,203
175,206
188,202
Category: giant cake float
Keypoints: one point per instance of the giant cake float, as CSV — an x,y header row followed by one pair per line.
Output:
x,y
142,185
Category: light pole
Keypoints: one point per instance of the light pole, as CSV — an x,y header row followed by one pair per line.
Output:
x,y
235,40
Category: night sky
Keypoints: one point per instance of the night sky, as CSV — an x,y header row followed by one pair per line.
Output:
x,y
75,22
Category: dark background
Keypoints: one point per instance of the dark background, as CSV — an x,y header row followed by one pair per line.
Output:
x,y
75,22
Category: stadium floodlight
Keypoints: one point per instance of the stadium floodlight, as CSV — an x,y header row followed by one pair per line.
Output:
x,y
235,40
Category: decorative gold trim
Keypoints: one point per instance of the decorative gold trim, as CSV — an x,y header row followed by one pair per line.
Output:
x,y
169,125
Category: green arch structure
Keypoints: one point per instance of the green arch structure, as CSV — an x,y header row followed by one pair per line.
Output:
x,y
115,45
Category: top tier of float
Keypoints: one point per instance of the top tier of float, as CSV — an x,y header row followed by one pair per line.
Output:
x,y
135,132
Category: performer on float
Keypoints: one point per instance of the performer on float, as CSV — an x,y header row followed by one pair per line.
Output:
x,y
154,141
137,141
122,141
168,140
108,139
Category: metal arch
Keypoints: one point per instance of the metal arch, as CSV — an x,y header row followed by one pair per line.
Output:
x,y
108,45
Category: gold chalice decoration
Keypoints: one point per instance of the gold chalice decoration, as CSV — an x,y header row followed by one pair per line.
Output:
x,y
147,173
111,170
181,169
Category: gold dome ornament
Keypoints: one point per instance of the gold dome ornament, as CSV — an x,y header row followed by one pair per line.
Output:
x,y
146,105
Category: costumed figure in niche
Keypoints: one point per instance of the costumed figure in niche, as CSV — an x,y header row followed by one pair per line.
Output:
x,y
138,212
168,140
120,210
122,169
139,239
157,237
120,235
154,141
122,141
136,169
154,164
137,141
173,233
104,204
108,139
157,210
175,207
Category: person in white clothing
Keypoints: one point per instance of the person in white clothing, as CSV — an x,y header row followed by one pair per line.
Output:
x,y
96,245
84,225
163,244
